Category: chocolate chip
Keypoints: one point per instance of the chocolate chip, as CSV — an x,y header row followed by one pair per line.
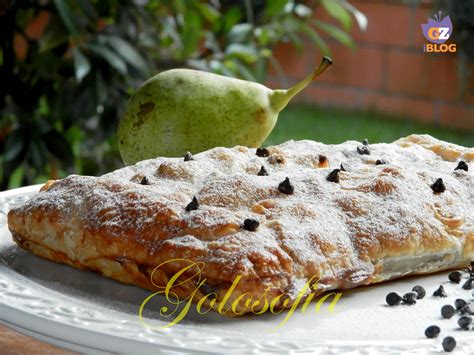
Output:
x,y
262,171
380,162
262,152
420,291
286,187
465,322
432,331
393,299
438,186
342,167
462,165
365,142
409,298
140,179
455,277
440,292
188,156
363,150
193,205
251,224
466,310
447,311
322,159
449,343
468,284
333,176
459,303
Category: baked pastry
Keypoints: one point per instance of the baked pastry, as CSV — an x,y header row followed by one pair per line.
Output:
x,y
342,215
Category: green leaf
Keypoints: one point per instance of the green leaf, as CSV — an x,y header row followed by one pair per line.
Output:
x,y
82,67
261,70
207,11
336,10
67,16
303,11
191,33
53,36
361,19
38,154
230,18
335,33
316,39
274,8
128,53
16,177
263,35
244,71
13,146
219,68
247,53
111,57
88,9
296,40
239,33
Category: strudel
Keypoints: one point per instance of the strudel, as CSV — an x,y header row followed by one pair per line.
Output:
x,y
345,215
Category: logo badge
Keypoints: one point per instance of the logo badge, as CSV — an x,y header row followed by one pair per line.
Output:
x,y
437,31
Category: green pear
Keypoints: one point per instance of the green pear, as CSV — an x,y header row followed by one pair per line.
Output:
x,y
184,110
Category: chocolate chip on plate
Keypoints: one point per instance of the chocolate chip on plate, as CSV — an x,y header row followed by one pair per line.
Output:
x,y
462,165
409,298
251,224
440,292
459,303
393,299
420,292
449,343
438,186
432,331
333,176
466,310
286,187
465,322
188,156
380,162
447,311
455,277
468,284
193,205
262,171
262,152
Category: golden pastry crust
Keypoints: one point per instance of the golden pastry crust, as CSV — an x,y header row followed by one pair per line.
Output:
x,y
377,223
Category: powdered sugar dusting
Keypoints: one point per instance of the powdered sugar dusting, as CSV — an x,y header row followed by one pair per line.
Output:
x,y
343,232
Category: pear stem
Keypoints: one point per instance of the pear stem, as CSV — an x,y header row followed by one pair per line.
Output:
x,y
281,97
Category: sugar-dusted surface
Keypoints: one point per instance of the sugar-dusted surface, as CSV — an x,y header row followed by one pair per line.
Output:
x,y
378,222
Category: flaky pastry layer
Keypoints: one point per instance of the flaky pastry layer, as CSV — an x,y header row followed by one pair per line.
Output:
x,y
381,220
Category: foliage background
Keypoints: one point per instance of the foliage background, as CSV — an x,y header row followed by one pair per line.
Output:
x,y
68,67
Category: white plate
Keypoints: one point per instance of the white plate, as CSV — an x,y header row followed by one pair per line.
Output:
x,y
86,312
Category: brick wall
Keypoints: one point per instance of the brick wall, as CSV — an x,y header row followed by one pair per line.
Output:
x,y
388,71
